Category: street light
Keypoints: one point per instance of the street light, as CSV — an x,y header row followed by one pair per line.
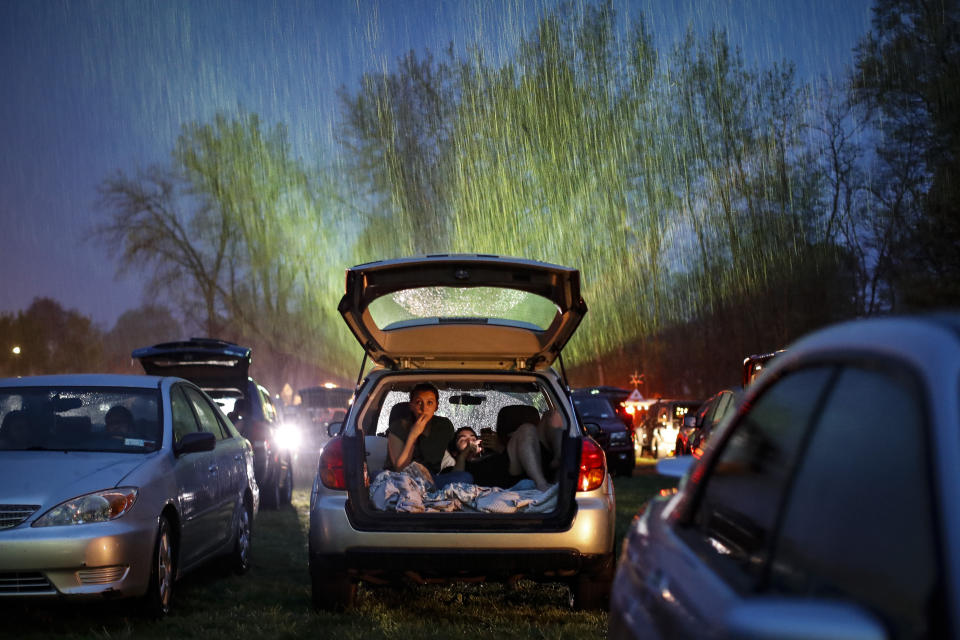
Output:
x,y
16,350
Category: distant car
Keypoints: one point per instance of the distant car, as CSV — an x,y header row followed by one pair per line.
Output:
x,y
754,365
827,506
616,396
485,330
698,426
719,407
606,427
221,369
662,426
115,486
320,406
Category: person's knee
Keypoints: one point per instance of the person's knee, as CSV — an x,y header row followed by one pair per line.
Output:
x,y
525,433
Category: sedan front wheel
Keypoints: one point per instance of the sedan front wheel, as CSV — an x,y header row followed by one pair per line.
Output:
x,y
157,601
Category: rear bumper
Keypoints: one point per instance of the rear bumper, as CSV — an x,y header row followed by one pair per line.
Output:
x,y
444,564
584,545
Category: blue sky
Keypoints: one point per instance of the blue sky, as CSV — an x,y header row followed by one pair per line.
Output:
x,y
92,87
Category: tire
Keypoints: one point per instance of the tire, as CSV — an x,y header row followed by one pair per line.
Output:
x,y
332,590
270,494
591,592
156,602
286,493
240,556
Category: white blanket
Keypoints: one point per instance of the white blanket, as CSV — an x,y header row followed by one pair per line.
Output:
x,y
412,491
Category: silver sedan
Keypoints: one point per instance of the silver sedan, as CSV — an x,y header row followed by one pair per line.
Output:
x,y
114,486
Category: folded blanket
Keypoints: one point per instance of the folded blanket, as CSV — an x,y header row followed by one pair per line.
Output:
x,y
412,491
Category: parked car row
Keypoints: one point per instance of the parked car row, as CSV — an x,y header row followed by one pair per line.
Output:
x,y
118,485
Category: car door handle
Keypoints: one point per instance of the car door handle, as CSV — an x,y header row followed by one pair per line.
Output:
x,y
212,469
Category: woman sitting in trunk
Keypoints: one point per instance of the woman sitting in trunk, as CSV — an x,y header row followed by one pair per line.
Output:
x,y
419,436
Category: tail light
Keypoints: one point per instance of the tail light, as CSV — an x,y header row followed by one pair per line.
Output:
x,y
331,465
593,466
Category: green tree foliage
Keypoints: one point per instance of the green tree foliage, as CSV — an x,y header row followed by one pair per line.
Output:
x,y
238,229
396,134
907,78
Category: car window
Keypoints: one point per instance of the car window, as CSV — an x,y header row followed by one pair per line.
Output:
x,y
724,406
269,411
859,521
205,414
481,415
593,407
71,418
184,421
744,488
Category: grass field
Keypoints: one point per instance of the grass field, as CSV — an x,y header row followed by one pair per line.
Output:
x,y
273,599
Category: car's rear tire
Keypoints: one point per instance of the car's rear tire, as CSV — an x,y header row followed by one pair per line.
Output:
x,y
240,556
286,493
270,493
156,602
591,591
332,590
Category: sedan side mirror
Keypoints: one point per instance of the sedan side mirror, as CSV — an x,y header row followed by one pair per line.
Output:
x,y
195,442
333,428
593,430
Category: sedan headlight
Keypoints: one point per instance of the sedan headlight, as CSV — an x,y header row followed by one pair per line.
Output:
x,y
100,506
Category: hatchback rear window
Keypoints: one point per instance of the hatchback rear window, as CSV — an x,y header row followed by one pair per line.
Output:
x,y
494,303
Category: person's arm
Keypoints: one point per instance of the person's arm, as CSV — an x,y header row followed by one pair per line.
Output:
x,y
401,451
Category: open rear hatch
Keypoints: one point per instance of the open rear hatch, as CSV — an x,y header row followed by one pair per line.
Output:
x,y
462,310
208,363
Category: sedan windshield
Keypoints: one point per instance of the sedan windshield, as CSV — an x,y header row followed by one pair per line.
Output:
x,y
80,419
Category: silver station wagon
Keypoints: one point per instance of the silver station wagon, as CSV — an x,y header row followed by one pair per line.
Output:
x,y
485,332
114,486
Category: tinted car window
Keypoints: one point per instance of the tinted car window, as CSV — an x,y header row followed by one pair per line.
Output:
x,y
269,411
184,421
594,407
859,520
205,413
744,489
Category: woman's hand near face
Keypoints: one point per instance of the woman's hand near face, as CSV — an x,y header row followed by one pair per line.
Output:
x,y
421,423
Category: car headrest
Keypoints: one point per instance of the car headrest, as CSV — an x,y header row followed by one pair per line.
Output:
x,y
401,411
509,418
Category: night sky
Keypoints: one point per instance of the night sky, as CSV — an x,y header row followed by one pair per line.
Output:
x,y
89,88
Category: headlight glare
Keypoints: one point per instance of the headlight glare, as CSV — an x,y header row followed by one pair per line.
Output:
x,y
100,506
